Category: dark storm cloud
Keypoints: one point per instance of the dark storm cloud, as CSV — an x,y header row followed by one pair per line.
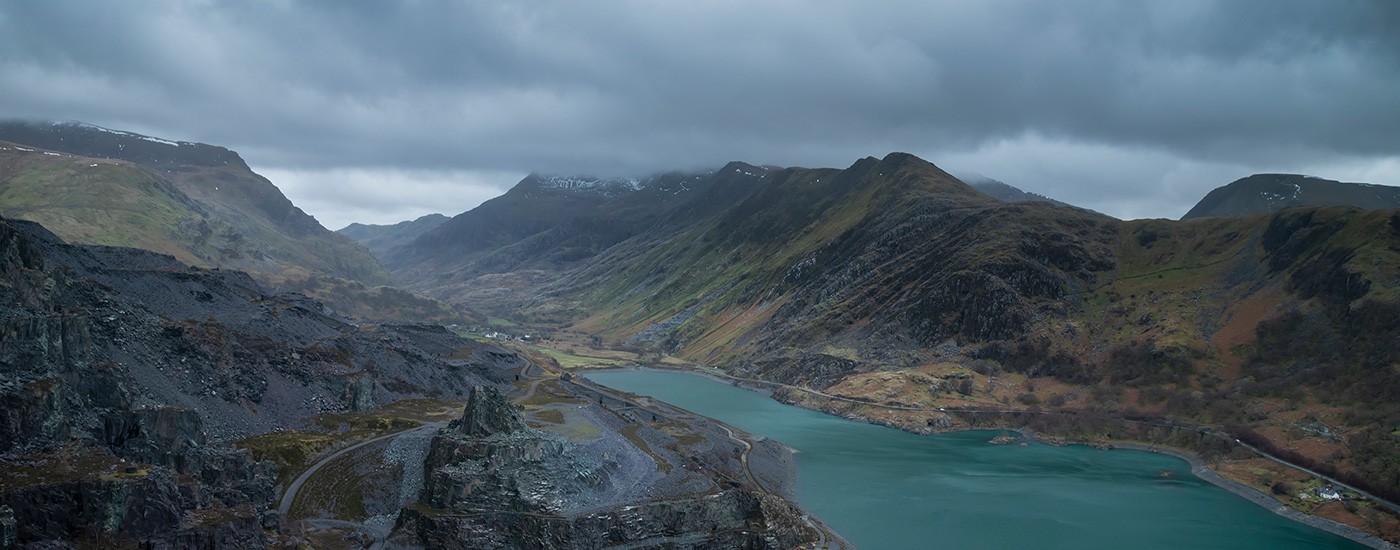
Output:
x,y
630,87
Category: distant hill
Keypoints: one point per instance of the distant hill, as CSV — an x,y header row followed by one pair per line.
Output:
x,y
382,239
1265,193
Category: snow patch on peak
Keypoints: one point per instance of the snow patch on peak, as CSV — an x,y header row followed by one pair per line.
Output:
x,y
606,186
763,171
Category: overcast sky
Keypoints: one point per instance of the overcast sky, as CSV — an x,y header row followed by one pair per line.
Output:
x,y
382,111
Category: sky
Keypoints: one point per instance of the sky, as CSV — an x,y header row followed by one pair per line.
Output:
x,y
383,111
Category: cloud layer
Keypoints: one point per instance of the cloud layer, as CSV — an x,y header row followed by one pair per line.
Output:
x,y
1131,108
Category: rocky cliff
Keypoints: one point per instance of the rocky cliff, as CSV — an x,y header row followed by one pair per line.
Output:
x,y
126,374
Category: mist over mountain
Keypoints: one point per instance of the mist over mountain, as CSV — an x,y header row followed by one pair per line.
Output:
x,y
1003,191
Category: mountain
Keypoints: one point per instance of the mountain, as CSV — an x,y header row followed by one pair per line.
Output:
x,y
1004,192
892,282
892,252
382,239
1267,193
547,224
197,202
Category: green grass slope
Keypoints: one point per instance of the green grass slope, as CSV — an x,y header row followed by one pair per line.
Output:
x,y
111,203
213,211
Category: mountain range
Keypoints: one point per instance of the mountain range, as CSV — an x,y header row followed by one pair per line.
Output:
x,y
891,278
888,291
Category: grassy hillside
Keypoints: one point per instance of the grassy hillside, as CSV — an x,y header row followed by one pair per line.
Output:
x,y
198,203
209,208
112,203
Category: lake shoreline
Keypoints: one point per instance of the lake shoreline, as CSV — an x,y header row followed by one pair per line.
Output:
x,y
1205,473
1196,462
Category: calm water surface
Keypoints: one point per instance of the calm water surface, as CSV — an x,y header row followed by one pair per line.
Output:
x,y
884,488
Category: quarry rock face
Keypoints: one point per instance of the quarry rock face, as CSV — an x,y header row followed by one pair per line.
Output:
x,y
490,460
124,376
494,482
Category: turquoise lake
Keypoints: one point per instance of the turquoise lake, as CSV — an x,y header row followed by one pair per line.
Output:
x,y
884,488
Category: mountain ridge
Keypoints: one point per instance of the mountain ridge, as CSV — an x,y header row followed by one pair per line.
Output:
x,y
1266,193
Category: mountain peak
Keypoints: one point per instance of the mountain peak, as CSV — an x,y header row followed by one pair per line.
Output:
x,y
739,167
606,187
897,158
1263,193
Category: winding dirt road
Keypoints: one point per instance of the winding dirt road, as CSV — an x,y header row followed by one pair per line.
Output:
x,y
290,495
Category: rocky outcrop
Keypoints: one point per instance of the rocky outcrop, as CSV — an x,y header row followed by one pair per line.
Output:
x,y
151,506
123,375
493,482
131,507
16,253
30,409
487,413
155,475
489,460
154,436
